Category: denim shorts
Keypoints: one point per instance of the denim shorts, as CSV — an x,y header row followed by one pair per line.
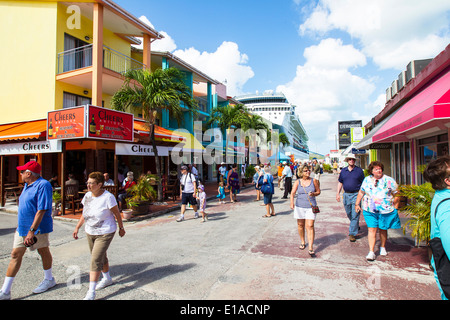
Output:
x,y
268,198
383,221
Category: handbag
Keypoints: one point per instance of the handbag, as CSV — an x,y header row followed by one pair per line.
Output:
x,y
266,188
315,209
441,261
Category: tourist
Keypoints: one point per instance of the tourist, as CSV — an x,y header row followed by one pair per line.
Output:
x,y
350,179
255,182
202,200
127,183
108,180
267,179
54,181
221,193
438,173
100,212
233,183
35,223
287,177
188,187
307,189
377,194
280,174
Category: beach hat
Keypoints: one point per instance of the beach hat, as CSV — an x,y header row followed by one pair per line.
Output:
x,y
33,166
350,156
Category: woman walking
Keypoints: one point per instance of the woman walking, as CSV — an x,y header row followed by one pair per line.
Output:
x,y
100,212
377,194
233,183
307,189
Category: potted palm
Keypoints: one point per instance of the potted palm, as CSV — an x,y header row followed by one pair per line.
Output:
x,y
417,208
142,194
57,203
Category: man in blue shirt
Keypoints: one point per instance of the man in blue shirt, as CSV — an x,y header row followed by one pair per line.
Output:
x,y
350,179
35,222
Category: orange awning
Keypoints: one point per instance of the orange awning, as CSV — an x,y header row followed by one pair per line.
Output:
x,y
160,133
23,130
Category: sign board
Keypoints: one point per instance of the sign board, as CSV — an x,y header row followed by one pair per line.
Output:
x,y
344,130
126,149
90,122
381,145
358,151
357,134
31,147
103,123
66,123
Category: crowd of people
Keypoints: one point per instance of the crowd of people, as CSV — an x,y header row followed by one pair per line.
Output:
x,y
373,195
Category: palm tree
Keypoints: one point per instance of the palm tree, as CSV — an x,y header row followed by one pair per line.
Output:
x,y
152,92
282,138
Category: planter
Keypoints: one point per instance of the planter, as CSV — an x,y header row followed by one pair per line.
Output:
x,y
127,214
141,209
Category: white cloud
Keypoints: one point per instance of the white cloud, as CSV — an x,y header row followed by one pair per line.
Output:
x,y
226,63
325,91
391,32
163,45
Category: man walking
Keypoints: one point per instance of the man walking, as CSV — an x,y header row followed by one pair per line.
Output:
x,y
287,177
188,188
350,178
35,222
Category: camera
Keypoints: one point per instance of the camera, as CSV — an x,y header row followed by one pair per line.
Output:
x,y
34,241
182,187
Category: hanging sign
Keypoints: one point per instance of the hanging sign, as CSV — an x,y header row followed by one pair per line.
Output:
x,y
66,124
90,122
102,123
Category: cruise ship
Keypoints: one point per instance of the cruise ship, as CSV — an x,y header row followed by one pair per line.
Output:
x,y
275,108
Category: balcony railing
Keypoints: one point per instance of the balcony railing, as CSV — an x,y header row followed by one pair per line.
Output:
x,y
82,57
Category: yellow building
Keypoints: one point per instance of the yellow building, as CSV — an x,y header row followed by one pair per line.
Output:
x,y
60,54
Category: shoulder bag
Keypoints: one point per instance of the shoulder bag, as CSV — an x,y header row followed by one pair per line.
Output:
x,y
441,262
315,209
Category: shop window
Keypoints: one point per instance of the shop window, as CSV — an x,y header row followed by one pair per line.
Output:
x,y
430,149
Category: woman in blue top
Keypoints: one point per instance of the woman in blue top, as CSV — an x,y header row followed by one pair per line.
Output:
x,y
438,174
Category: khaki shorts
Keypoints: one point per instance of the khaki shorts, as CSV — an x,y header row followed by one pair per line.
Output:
x,y
98,245
42,241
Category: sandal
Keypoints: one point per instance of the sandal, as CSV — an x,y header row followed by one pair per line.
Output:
x,y
266,216
302,246
312,253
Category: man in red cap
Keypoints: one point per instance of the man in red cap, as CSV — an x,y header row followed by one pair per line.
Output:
x,y
35,222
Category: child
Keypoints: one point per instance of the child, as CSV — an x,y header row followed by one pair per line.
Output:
x,y
202,198
221,194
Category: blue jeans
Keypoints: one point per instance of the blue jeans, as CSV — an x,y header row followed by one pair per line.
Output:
x,y
353,216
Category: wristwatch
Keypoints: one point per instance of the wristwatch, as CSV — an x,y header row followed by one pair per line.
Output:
x,y
33,230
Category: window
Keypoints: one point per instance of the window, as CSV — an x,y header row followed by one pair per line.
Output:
x,y
72,100
76,55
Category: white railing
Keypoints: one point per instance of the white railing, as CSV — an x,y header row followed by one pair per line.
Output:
x,y
82,57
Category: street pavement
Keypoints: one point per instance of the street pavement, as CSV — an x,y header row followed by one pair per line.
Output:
x,y
235,255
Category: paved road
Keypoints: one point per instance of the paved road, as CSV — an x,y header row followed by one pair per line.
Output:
x,y
237,254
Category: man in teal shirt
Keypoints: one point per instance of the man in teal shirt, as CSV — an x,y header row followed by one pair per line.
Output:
x,y
35,222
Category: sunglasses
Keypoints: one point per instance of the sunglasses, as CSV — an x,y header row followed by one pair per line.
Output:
x,y
376,183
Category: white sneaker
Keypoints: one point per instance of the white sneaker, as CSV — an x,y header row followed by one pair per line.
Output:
x,y
370,256
181,218
45,285
196,215
90,295
383,251
104,283
4,296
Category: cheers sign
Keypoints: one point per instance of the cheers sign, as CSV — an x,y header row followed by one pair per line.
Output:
x,y
90,122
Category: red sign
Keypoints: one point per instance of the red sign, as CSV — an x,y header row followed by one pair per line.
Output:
x,y
102,123
66,123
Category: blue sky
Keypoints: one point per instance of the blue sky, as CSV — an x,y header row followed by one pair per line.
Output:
x,y
333,59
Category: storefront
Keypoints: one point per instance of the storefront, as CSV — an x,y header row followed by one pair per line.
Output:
x,y
67,142
419,128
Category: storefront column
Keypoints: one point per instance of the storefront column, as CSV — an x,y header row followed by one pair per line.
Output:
x,y
63,179
97,55
2,180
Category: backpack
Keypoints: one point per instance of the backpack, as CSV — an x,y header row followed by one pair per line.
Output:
x,y
441,262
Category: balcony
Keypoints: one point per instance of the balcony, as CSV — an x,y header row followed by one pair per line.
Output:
x,y
75,67
81,57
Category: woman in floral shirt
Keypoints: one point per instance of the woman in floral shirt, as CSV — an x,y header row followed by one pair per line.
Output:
x,y
379,206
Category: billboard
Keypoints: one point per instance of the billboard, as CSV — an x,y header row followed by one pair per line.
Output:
x,y
66,124
90,122
344,129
